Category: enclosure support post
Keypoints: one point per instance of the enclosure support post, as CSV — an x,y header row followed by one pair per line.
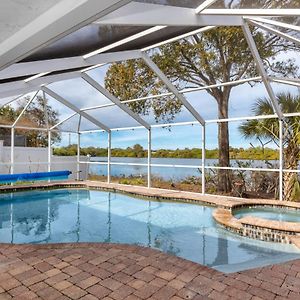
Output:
x,y
281,160
78,149
12,150
49,151
203,158
78,156
108,156
149,158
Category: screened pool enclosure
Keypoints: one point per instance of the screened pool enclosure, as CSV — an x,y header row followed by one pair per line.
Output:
x,y
48,48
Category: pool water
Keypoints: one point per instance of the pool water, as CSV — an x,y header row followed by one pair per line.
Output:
x,y
80,215
270,213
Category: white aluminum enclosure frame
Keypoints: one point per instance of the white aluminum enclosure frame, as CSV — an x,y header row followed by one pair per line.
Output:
x,y
62,19
133,13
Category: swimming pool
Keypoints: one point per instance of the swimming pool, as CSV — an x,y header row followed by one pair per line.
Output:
x,y
270,213
81,215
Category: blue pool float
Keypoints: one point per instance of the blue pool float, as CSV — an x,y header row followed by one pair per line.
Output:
x,y
33,176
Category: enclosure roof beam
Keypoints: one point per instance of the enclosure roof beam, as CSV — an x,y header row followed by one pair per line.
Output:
x,y
74,108
60,64
194,123
172,88
276,23
114,99
148,14
296,80
20,87
274,31
124,41
266,12
179,37
63,121
285,81
261,69
24,109
204,5
62,19
12,100
183,91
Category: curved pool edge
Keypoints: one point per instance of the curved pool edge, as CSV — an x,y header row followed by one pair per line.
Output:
x,y
155,193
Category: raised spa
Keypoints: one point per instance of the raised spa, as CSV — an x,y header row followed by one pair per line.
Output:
x,y
269,212
182,229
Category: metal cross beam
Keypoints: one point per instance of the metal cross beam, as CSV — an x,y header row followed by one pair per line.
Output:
x,y
261,69
276,23
172,88
21,87
24,109
204,5
148,14
274,12
12,100
113,99
74,108
63,121
276,32
286,81
60,64
59,21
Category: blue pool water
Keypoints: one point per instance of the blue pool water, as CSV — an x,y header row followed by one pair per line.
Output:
x,y
271,213
185,230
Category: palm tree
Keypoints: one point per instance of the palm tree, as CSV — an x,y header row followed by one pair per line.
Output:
x,y
268,129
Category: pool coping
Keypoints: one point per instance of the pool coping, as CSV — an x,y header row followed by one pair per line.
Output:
x,y
214,200
252,227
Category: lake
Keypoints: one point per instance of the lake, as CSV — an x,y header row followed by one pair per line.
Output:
x,y
167,173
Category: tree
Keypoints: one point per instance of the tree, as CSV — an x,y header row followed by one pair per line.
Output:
x,y
7,117
34,116
268,129
201,60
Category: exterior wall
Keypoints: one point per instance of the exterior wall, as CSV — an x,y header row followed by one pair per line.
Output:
x,y
36,161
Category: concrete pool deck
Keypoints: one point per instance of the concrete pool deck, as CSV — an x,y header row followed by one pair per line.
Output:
x,y
111,271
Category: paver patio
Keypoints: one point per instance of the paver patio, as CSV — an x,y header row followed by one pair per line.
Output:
x,y
111,271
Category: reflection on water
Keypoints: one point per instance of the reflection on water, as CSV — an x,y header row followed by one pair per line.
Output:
x,y
180,229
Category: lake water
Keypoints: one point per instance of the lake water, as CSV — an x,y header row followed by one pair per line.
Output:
x,y
167,173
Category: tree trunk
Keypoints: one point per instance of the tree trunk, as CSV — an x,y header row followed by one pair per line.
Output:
x,y
290,180
224,176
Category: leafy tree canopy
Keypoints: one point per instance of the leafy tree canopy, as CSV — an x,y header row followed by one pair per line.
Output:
x,y
34,116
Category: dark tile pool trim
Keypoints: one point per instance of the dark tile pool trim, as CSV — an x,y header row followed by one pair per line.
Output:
x,y
259,228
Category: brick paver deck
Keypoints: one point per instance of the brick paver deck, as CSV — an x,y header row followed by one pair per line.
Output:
x,y
110,271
